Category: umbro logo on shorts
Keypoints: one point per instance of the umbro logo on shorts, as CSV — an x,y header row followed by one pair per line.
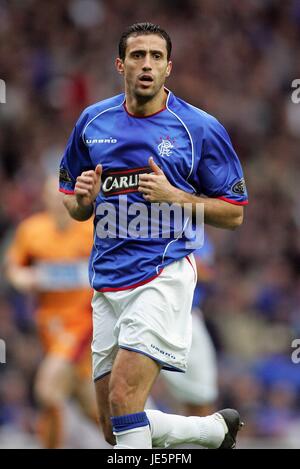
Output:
x,y
122,181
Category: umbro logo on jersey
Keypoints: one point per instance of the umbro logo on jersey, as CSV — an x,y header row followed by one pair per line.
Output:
x,y
91,141
122,181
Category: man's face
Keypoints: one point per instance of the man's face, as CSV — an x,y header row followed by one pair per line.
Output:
x,y
145,67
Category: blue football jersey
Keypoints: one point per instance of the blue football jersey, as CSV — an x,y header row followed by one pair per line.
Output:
x,y
191,147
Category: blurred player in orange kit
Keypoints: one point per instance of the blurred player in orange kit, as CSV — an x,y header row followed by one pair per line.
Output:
x,y
48,257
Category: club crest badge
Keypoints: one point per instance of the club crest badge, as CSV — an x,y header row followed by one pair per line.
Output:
x,y
165,147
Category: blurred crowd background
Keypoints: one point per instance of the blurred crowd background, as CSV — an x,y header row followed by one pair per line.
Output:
x,y
236,60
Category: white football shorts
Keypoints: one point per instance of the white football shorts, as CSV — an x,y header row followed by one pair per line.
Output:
x,y
153,319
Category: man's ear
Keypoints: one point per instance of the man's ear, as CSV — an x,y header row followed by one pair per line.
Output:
x,y
119,65
169,68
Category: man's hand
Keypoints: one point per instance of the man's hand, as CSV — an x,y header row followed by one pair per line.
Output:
x,y
88,186
155,186
80,205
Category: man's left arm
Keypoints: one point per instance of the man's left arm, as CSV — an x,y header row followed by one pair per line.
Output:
x,y
219,213
216,173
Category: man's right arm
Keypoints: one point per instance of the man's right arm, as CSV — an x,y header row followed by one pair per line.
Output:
x,y
81,205
77,211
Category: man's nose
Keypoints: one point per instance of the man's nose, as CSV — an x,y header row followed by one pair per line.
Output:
x,y
147,63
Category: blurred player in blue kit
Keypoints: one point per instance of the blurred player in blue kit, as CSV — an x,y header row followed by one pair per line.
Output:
x,y
137,149
197,389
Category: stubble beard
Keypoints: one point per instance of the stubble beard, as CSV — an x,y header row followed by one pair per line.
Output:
x,y
142,98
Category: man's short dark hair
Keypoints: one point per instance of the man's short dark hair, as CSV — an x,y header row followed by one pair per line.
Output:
x,y
140,29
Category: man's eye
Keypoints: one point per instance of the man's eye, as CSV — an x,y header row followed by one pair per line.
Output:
x,y
157,56
136,56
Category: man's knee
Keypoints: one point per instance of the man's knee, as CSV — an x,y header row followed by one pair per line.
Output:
x,y
132,377
47,395
53,382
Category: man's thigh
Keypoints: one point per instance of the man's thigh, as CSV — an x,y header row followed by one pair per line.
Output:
x,y
155,319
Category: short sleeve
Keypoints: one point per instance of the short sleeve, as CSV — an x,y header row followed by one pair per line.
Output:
x,y
219,171
75,160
